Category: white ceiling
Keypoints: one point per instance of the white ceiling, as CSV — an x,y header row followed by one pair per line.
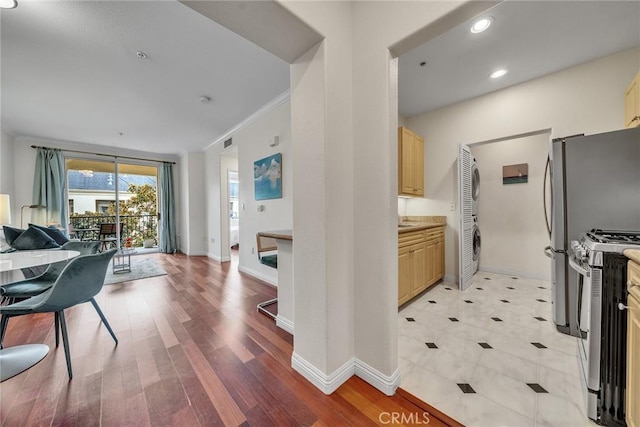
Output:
x,y
70,70
529,38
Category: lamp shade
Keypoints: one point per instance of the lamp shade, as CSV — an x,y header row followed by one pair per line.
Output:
x,y
5,209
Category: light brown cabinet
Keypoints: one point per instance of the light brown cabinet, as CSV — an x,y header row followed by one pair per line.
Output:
x,y
410,163
632,397
420,261
632,103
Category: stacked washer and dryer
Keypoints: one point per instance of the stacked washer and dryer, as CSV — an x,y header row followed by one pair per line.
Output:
x,y
475,195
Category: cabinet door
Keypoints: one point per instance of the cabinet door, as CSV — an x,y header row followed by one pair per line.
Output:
x,y
405,157
633,363
430,262
410,163
405,275
632,104
418,255
439,259
417,166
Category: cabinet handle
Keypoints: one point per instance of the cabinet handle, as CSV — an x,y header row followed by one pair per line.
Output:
x,y
622,307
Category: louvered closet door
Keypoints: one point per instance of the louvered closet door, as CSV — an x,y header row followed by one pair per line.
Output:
x,y
465,234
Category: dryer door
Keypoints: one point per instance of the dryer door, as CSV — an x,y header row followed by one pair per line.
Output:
x,y
475,182
476,243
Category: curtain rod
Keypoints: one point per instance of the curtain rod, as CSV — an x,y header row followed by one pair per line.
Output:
x,y
106,155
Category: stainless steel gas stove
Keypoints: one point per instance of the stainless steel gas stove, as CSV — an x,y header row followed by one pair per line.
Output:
x,y
601,298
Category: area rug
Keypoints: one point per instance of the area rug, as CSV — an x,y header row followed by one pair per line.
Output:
x,y
141,268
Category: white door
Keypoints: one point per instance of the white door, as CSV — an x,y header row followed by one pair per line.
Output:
x,y
465,204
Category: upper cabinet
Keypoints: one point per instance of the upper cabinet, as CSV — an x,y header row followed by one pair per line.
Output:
x,y
410,163
632,103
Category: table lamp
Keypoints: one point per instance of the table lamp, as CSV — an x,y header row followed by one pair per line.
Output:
x,y
5,209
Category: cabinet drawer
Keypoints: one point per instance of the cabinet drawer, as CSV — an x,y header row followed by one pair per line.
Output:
x,y
435,233
633,273
406,239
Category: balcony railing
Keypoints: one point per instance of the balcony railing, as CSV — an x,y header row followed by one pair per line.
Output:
x,y
138,227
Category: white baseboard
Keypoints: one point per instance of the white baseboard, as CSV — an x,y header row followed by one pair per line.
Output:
x,y
218,258
508,272
330,383
385,384
197,253
284,323
450,278
270,280
326,383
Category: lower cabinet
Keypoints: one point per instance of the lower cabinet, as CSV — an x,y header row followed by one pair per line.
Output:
x,y
420,261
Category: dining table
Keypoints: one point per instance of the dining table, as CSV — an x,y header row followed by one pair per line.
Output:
x,y
17,359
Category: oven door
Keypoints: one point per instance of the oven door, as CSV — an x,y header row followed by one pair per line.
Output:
x,y
588,319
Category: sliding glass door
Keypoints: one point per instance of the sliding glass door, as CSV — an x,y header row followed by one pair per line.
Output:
x,y
105,193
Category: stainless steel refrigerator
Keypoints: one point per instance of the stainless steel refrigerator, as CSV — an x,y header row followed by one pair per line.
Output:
x,y
594,182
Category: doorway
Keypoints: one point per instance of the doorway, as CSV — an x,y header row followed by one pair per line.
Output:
x,y
234,210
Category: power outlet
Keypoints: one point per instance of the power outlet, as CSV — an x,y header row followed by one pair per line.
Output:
x,y
452,207
253,250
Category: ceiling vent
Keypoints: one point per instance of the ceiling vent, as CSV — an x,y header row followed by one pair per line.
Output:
x,y
227,143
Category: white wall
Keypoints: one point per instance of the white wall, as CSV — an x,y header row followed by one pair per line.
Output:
x,y
193,237
511,217
251,143
584,99
7,143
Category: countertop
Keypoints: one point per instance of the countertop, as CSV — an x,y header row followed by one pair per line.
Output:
x,y
406,227
633,254
416,223
278,234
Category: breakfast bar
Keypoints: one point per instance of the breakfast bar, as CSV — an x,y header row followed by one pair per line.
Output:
x,y
284,240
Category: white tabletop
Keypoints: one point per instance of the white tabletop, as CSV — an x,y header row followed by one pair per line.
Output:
x,y
24,259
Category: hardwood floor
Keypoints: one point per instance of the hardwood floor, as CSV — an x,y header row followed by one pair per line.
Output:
x,y
193,351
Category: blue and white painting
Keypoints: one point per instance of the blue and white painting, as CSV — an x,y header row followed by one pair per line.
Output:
x,y
267,175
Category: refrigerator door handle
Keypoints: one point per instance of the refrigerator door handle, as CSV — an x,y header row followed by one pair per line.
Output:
x,y
544,196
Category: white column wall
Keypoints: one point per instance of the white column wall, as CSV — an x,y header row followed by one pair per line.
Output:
x,y
7,142
357,34
213,189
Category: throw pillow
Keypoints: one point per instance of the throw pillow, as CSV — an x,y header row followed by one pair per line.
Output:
x,y
10,233
33,238
52,232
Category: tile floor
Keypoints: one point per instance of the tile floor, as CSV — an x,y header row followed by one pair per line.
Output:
x,y
491,356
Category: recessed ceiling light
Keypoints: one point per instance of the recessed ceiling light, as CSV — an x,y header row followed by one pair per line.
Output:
x,y
8,4
481,24
498,73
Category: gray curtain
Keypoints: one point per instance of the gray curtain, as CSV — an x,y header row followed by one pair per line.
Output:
x,y
49,184
168,236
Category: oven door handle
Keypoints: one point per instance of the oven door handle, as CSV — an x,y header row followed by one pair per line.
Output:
x,y
577,267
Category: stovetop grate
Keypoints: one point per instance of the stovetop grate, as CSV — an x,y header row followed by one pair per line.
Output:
x,y
615,236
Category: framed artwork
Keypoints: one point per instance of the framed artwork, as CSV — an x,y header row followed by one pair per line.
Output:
x,y
515,174
267,177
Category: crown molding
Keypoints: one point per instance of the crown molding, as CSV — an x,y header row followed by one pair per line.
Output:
x,y
264,110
